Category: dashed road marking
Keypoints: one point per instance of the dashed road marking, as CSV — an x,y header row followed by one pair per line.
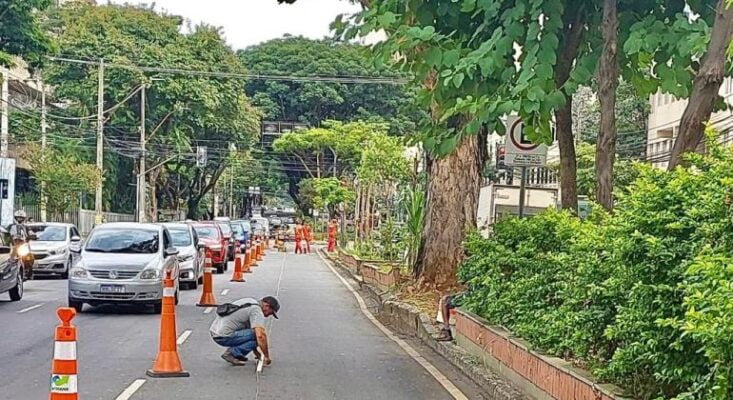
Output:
x,y
224,292
442,379
208,310
31,308
183,337
130,390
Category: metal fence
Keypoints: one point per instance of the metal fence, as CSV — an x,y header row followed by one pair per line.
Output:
x,y
83,219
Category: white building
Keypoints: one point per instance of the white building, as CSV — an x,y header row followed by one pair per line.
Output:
x,y
664,120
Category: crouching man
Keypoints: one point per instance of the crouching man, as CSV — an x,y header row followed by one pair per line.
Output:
x,y
240,326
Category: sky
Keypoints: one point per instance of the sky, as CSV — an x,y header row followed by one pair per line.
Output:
x,y
249,22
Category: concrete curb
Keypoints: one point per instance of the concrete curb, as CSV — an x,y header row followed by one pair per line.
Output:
x,y
407,320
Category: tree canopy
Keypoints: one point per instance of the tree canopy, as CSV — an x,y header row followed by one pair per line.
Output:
x,y
21,33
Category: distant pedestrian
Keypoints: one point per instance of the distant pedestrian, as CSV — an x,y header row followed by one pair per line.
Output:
x,y
240,326
448,303
299,236
308,235
332,232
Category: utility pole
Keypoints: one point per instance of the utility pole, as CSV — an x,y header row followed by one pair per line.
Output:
x,y
231,194
43,147
100,143
141,181
4,100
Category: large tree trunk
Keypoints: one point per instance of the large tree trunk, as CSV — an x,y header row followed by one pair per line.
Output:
x,y
608,72
454,183
574,24
706,85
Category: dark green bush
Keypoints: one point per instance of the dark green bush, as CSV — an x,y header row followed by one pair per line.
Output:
x,y
643,297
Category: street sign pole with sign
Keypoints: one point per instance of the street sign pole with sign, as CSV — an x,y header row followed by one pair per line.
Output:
x,y
521,152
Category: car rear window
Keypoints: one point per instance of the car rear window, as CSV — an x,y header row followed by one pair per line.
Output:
x,y
133,241
208,232
180,237
226,229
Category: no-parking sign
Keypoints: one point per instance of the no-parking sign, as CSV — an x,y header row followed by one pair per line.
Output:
x,y
520,151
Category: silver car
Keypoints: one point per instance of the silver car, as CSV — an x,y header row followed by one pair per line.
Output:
x,y
190,254
123,263
50,247
11,271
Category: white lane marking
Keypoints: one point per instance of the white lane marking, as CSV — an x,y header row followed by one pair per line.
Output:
x,y
208,310
224,292
130,390
442,379
183,337
25,310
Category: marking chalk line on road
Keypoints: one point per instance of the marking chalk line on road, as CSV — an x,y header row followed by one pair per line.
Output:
x,y
25,310
130,390
224,292
183,337
442,379
268,327
208,310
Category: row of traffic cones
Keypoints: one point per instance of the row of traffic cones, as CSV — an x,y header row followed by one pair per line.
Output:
x,y
167,364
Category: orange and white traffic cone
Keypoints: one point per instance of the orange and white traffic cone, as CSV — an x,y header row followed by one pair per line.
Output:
x,y
259,251
247,260
64,367
207,294
237,275
254,254
167,364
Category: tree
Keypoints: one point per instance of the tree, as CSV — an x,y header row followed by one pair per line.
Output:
x,y
64,177
182,111
708,78
625,172
314,102
330,194
21,33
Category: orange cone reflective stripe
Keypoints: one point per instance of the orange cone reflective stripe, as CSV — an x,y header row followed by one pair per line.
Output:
x,y
207,294
64,366
167,364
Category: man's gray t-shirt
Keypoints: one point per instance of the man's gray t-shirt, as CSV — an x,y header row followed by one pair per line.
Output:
x,y
244,318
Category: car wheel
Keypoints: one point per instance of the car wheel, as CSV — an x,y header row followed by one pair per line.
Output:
x,y
158,307
16,293
221,268
76,305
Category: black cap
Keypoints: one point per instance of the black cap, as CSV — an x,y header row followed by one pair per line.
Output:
x,y
273,303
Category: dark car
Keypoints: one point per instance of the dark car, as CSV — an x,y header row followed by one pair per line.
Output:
x,y
228,232
241,233
11,271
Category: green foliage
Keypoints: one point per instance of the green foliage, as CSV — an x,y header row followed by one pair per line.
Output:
x,y
330,194
625,172
413,205
383,160
314,102
62,175
21,33
642,296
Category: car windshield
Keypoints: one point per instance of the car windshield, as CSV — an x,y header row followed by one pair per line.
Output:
x,y
226,229
48,233
238,229
135,241
180,237
246,226
208,232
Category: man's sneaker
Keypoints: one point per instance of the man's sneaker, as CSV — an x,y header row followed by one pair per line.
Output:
x,y
231,359
445,336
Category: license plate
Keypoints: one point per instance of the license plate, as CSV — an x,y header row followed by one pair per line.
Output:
x,y
112,288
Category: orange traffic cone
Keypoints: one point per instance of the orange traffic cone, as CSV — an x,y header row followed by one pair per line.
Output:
x,y
259,251
254,254
64,368
237,275
168,364
247,260
207,294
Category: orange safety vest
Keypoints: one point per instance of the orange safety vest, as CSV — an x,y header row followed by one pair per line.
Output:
x,y
308,233
298,232
332,229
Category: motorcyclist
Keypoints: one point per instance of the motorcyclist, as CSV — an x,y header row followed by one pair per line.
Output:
x,y
18,230
20,237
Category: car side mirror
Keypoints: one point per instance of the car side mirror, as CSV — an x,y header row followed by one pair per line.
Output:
x,y
171,251
75,239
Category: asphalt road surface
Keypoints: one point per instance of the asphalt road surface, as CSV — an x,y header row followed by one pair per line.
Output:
x,y
323,346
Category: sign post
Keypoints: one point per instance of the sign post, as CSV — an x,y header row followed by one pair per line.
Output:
x,y
522,152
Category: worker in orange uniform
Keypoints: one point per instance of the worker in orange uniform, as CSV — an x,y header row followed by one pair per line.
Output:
x,y
332,231
308,235
298,238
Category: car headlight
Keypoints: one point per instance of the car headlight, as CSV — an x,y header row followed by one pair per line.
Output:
x,y
78,273
150,273
185,258
23,250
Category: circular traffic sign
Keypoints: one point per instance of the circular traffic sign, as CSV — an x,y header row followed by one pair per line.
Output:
x,y
516,135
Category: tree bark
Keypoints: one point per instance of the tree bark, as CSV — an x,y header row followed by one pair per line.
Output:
x,y
574,20
453,187
608,72
705,86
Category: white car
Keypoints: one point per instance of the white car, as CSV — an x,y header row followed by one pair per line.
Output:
x,y
50,247
260,226
190,254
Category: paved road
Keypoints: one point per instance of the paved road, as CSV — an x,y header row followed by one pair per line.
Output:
x,y
323,347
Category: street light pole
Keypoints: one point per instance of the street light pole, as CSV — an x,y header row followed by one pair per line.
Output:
x,y
100,143
141,181
4,100
43,147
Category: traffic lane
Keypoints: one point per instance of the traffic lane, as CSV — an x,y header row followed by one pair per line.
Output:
x,y
324,347
115,343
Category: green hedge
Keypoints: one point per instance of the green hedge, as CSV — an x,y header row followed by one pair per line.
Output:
x,y
643,297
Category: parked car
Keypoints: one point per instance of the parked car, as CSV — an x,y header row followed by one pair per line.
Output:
x,y
11,271
241,234
260,226
212,238
50,245
190,254
123,263
275,222
228,232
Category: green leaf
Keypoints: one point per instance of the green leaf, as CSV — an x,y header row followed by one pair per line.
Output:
x,y
434,56
458,79
387,19
450,57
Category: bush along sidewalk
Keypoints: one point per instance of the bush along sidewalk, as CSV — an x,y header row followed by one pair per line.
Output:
x,y
643,298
